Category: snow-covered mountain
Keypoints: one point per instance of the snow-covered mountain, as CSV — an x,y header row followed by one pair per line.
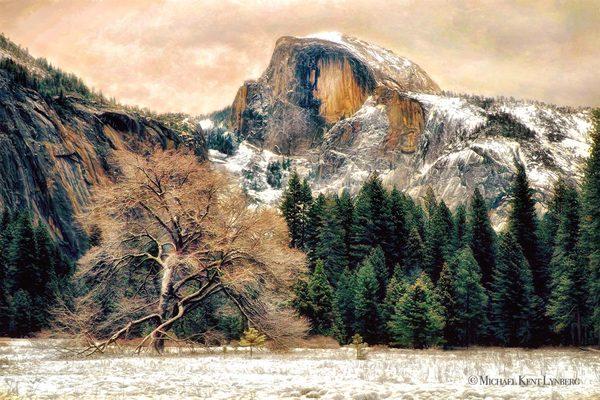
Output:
x,y
340,109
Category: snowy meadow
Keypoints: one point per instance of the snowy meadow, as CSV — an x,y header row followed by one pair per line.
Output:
x,y
38,369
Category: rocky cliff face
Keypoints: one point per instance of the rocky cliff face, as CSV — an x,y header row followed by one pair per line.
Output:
x,y
343,109
52,151
313,83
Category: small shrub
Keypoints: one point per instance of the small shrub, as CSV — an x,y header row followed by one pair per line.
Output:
x,y
252,338
274,174
359,346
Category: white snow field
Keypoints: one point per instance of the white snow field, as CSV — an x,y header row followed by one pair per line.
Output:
x,y
34,369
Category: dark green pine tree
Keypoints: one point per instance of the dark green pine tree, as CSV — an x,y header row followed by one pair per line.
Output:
x,y
344,320
523,224
399,227
438,240
463,300
4,284
22,322
300,301
591,224
460,227
371,221
366,308
512,296
550,220
23,278
306,200
481,237
567,302
397,287
376,260
566,240
295,204
415,216
314,226
344,208
37,268
22,255
320,297
430,202
448,225
331,248
417,321
413,255
447,295
44,283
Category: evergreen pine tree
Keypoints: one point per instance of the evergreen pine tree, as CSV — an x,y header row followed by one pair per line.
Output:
x,y
448,297
447,220
306,200
463,299
438,240
523,224
399,227
397,287
300,300
417,320
460,227
413,255
567,302
415,216
314,226
22,255
591,224
344,320
44,282
31,265
331,248
430,202
371,221
550,220
22,319
4,284
295,203
320,297
366,307
344,209
481,238
376,259
513,298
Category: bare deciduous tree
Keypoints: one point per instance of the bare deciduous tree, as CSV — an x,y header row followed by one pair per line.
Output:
x,y
188,234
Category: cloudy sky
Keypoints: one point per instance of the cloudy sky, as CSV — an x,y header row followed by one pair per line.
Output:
x,y
192,56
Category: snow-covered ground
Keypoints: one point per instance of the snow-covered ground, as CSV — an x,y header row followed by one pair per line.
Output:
x,y
34,369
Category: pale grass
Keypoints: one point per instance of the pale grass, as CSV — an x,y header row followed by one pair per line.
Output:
x,y
42,371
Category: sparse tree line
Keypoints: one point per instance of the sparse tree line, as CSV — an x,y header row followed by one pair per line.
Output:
x,y
55,83
418,275
52,82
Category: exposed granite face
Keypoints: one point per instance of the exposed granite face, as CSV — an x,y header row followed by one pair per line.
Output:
x,y
52,152
463,146
343,109
311,84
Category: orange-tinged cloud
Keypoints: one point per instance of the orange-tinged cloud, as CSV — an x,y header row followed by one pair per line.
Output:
x,y
192,56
